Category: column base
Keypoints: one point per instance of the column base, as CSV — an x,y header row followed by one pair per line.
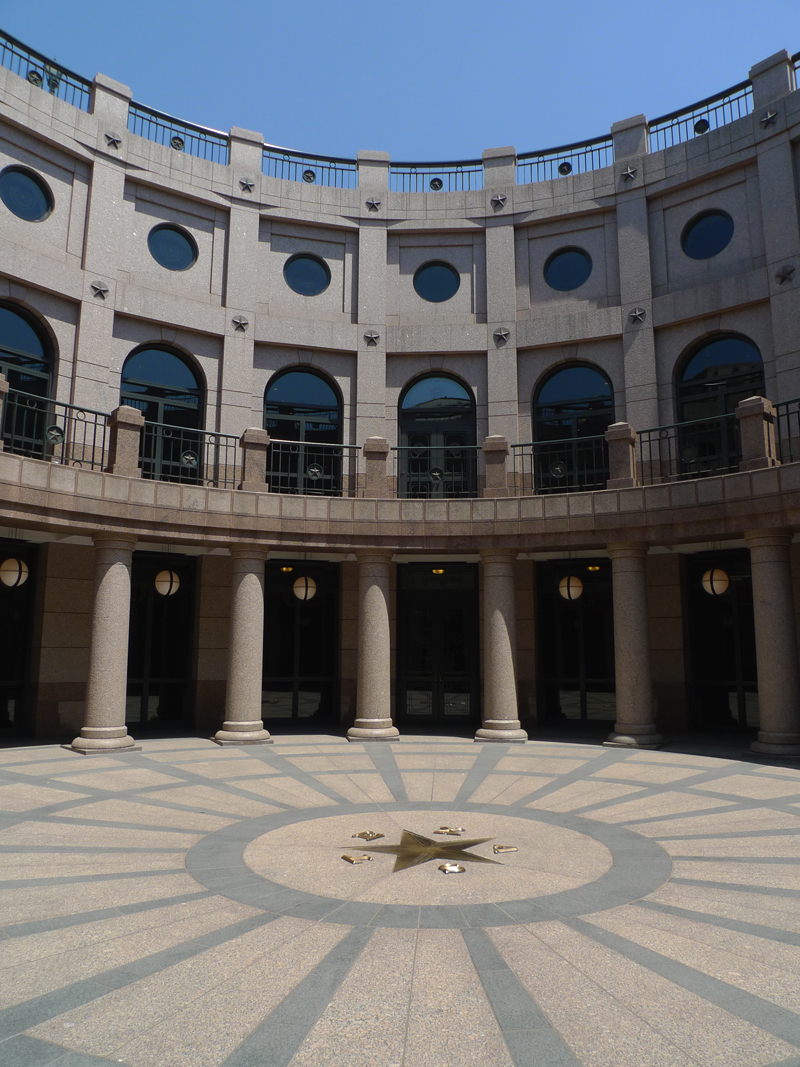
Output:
x,y
94,739
506,731
372,730
625,739
774,750
242,733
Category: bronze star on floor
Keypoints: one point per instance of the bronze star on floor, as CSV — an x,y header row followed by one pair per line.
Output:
x,y
415,849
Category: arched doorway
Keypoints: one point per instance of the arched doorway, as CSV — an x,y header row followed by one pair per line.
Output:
x,y
437,454
714,377
303,416
170,395
572,409
26,361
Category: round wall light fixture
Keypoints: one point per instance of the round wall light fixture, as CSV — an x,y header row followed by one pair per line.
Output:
x,y
570,587
13,572
304,588
167,583
715,582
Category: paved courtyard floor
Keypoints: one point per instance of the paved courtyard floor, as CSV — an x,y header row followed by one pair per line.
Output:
x,y
189,906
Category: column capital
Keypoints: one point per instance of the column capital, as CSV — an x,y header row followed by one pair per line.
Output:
x,y
498,555
768,538
627,549
110,539
256,552
374,555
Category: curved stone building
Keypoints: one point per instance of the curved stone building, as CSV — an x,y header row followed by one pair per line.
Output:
x,y
506,445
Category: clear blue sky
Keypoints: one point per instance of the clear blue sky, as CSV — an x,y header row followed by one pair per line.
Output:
x,y
437,79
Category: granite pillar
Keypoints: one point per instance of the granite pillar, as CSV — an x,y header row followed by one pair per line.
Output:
x,y
500,708
373,706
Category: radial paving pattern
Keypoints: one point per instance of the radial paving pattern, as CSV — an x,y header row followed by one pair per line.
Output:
x,y
188,905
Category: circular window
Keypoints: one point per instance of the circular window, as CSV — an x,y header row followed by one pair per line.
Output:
x,y
25,194
706,235
436,282
567,269
307,275
172,247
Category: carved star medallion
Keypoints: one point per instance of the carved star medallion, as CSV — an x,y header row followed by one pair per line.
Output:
x,y
373,203
246,185
498,200
637,315
100,289
415,849
240,323
372,337
628,174
501,335
769,119
113,140
785,274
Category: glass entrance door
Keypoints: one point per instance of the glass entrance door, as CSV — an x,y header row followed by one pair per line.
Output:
x,y
301,641
437,644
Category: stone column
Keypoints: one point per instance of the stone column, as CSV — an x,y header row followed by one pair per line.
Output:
x,y
104,727
500,709
635,726
373,706
776,644
243,725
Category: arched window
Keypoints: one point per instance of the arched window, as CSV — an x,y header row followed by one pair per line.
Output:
x,y
572,409
303,416
715,377
168,392
437,455
26,361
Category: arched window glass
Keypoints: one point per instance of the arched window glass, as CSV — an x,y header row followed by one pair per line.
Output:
x,y
163,386
437,455
717,376
303,416
572,409
24,356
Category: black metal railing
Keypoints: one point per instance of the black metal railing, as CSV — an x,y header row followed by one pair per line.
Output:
x,y
787,430
47,429
191,457
702,117
307,468
436,472
688,450
314,170
44,73
575,158
573,465
178,135
452,177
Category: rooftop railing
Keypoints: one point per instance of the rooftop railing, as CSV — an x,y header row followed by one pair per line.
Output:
x,y
577,158
331,171
178,135
44,73
455,177
701,118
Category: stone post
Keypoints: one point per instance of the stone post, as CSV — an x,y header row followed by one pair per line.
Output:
x,y
757,430
772,78
635,726
104,727
125,437
621,439
500,708
776,645
495,451
373,194
3,393
243,724
376,452
254,444
373,706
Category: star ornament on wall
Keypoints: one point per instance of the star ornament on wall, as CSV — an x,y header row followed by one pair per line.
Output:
x,y
415,849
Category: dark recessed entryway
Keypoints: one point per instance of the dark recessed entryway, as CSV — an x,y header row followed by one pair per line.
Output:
x,y
438,647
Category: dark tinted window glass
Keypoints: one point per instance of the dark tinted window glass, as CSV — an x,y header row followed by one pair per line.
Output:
x,y
307,275
707,235
172,248
436,393
154,366
567,269
301,389
574,402
722,359
25,194
436,282
18,335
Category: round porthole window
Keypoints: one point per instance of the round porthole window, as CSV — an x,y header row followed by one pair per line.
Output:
x,y
567,269
436,282
25,194
307,275
706,235
172,247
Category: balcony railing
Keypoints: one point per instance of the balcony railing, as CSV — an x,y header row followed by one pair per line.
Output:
x,y
787,430
314,170
702,117
191,457
436,472
453,177
178,135
61,433
308,468
44,73
575,158
573,465
688,450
